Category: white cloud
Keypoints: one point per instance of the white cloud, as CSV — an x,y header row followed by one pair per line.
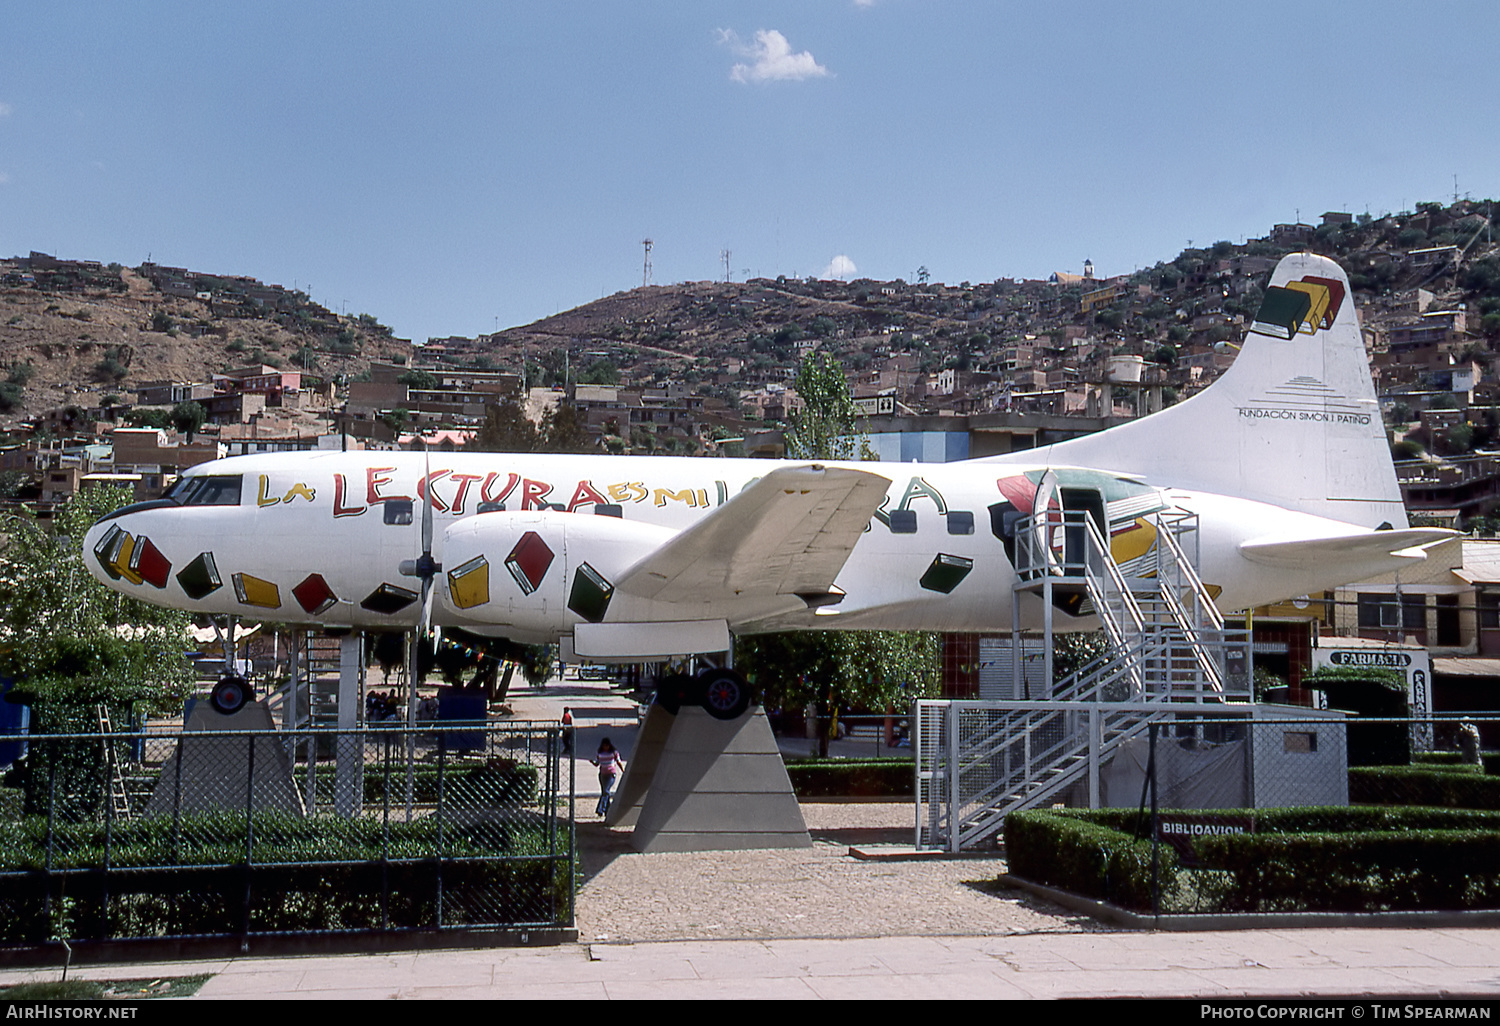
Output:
x,y
840,267
771,59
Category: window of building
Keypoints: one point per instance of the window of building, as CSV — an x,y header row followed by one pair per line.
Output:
x,y
1386,611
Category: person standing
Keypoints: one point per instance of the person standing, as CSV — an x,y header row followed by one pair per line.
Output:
x,y
611,765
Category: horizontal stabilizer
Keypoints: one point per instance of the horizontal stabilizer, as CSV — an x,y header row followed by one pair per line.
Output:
x,y
1386,549
789,533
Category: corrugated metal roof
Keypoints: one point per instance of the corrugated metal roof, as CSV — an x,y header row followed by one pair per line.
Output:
x,y
1465,667
1481,561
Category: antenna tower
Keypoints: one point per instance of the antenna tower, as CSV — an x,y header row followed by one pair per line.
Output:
x,y
646,270
724,255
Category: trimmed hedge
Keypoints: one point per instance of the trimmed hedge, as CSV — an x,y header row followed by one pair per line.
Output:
x,y
1454,761
304,877
1456,786
852,778
1305,859
1095,854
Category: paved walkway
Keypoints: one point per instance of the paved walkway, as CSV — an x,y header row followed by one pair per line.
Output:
x,y
817,923
1060,964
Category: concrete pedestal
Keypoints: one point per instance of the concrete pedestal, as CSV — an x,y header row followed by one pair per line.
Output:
x,y
695,783
211,771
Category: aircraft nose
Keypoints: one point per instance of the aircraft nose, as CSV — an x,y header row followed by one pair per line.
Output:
x,y
116,548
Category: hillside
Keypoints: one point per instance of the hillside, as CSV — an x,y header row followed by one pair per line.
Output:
x,y
76,333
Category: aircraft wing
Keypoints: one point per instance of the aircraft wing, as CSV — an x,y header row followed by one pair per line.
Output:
x,y
789,533
1354,548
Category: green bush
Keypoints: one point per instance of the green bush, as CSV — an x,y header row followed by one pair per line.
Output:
x,y
1452,786
167,878
1355,872
1304,859
851,778
1095,854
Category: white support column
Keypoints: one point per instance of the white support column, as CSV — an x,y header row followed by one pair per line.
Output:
x,y
953,806
1096,743
349,752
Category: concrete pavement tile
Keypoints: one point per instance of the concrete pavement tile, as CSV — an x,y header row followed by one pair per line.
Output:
x,y
1377,952
918,987
378,994
259,984
1100,983
1457,980
624,952
851,957
1275,949
1477,948
1333,981
1105,952
516,991
375,977
783,989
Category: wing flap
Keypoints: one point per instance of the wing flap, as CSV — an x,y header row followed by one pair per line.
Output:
x,y
1360,547
789,533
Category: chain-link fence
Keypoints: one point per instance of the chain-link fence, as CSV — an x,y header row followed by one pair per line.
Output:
x,y
241,833
1313,813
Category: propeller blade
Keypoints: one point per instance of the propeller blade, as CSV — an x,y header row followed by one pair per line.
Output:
x,y
426,623
427,506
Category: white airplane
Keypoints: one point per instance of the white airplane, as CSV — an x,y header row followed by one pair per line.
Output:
x,y
1284,460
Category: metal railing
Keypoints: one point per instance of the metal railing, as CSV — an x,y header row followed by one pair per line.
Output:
x,y
247,833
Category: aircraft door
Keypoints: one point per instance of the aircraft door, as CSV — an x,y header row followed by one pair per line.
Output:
x,y
1075,544
1047,521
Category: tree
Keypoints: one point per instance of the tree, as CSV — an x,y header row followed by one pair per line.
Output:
x,y
825,427
563,431
72,644
505,429
188,417
600,372
418,379
875,670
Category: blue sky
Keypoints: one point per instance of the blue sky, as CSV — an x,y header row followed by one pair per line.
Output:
x,y
451,167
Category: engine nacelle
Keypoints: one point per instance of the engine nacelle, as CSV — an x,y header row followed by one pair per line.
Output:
x,y
539,572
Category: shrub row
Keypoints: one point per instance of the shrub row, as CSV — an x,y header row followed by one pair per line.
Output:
x,y
1457,787
1095,854
221,838
1306,859
852,778
265,899
1455,761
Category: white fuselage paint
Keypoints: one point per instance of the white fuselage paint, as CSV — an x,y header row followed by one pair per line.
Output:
x,y
324,513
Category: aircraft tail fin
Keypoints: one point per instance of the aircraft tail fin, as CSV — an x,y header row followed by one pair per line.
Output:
x,y
1293,422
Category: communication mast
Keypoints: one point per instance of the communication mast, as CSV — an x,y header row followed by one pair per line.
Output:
x,y
724,255
646,270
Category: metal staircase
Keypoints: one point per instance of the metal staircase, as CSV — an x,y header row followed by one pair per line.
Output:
x,y
310,698
1168,650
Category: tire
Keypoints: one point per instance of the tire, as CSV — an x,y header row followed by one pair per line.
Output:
x,y
674,691
231,694
726,694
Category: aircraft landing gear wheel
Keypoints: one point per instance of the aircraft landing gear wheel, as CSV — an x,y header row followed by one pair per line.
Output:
x,y
726,694
674,691
230,694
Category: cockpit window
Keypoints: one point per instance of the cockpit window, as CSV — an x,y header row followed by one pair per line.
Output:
x,y
210,490
179,491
